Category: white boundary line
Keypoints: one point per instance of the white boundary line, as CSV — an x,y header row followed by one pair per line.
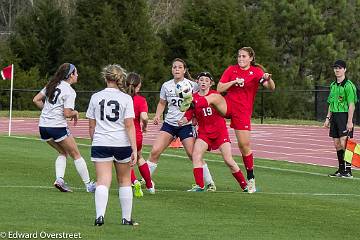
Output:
x,y
238,192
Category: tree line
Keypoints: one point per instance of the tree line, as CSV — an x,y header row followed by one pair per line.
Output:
x,y
297,41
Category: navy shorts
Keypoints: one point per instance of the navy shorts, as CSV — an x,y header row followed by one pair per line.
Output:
x,y
117,154
182,132
53,133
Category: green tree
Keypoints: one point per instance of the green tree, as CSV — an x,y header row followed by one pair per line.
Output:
x,y
105,32
39,37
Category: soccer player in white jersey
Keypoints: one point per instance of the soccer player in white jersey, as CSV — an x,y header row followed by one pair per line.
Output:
x,y
112,131
170,128
57,101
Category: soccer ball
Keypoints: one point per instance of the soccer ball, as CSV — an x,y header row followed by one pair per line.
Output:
x,y
184,89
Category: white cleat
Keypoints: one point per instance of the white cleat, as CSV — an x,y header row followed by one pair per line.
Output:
x,y
251,186
211,187
90,187
152,189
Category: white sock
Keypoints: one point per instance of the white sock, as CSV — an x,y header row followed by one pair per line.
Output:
x,y
126,200
207,176
152,167
101,199
60,166
81,168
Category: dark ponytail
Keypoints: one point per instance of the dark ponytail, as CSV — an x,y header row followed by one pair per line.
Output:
x,y
132,81
62,73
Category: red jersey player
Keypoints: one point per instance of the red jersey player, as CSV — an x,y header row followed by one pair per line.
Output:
x,y
241,82
212,135
133,82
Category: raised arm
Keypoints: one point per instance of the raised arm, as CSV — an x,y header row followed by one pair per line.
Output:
x,y
268,82
222,87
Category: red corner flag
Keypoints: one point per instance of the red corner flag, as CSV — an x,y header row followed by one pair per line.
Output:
x,y
6,72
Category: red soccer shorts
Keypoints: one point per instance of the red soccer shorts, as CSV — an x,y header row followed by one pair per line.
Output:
x,y
215,141
239,120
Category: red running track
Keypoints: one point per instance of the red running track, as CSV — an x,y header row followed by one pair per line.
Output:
x,y
301,144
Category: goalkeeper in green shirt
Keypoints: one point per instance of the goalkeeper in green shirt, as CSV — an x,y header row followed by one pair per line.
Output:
x,y
339,119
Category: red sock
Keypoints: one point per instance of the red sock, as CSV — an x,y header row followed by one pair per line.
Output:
x,y
240,178
248,161
199,176
201,102
133,177
145,173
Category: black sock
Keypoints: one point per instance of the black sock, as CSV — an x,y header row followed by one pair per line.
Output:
x,y
347,167
340,155
250,174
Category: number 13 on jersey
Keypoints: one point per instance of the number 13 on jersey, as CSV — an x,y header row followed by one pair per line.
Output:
x,y
114,106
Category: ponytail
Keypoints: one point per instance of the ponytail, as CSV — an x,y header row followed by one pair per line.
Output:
x,y
62,73
132,81
116,73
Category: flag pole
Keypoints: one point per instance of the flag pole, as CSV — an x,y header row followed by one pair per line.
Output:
x,y
11,96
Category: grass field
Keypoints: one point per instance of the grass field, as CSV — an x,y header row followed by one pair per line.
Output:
x,y
294,201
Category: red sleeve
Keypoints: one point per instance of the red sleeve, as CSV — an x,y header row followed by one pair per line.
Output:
x,y
259,73
189,114
142,105
226,75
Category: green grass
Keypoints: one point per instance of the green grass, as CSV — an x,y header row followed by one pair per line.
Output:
x,y
292,203
36,114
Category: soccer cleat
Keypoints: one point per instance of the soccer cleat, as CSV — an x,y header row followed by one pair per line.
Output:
x,y
251,185
137,189
245,189
211,187
61,185
185,105
99,221
152,189
129,223
335,174
90,187
196,188
346,175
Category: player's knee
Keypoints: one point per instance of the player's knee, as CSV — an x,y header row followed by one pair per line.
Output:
x,y
74,153
244,148
231,163
155,153
196,158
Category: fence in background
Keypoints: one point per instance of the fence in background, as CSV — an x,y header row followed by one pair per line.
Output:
x,y
283,103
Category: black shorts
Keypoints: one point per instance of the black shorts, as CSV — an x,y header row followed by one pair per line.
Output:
x,y
338,123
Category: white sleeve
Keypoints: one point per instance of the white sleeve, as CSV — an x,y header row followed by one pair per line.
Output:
x,y
43,91
90,113
129,109
69,100
163,93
